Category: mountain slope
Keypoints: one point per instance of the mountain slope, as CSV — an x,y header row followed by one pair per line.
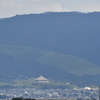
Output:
x,y
71,64
68,33
23,59
61,46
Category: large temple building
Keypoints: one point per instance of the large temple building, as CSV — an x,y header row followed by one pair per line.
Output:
x,y
41,79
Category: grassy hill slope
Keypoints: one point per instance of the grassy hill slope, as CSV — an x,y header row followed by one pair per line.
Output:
x,y
71,64
24,58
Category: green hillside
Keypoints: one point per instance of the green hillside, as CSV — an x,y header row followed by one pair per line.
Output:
x,y
71,64
23,57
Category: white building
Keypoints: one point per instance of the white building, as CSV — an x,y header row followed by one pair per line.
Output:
x,y
41,79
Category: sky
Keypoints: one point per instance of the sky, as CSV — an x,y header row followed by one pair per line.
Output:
x,y
10,8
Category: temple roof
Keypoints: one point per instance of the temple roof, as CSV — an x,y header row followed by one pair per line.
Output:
x,y
41,78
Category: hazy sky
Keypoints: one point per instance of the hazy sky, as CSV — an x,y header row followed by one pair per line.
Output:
x,y
13,7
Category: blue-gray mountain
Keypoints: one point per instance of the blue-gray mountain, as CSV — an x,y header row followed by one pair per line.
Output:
x,y
65,43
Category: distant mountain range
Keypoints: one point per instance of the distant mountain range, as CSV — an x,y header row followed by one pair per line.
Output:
x,y
61,46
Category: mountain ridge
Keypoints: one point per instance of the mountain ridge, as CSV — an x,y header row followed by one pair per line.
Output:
x,y
79,33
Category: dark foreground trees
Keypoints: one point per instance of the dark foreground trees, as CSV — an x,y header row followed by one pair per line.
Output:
x,y
22,98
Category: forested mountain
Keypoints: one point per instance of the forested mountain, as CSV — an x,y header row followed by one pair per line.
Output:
x,y
65,43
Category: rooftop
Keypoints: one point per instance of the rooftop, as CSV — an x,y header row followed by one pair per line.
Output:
x,y
41,78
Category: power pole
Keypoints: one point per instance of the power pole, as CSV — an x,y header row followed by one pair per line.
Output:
x,y
62,7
